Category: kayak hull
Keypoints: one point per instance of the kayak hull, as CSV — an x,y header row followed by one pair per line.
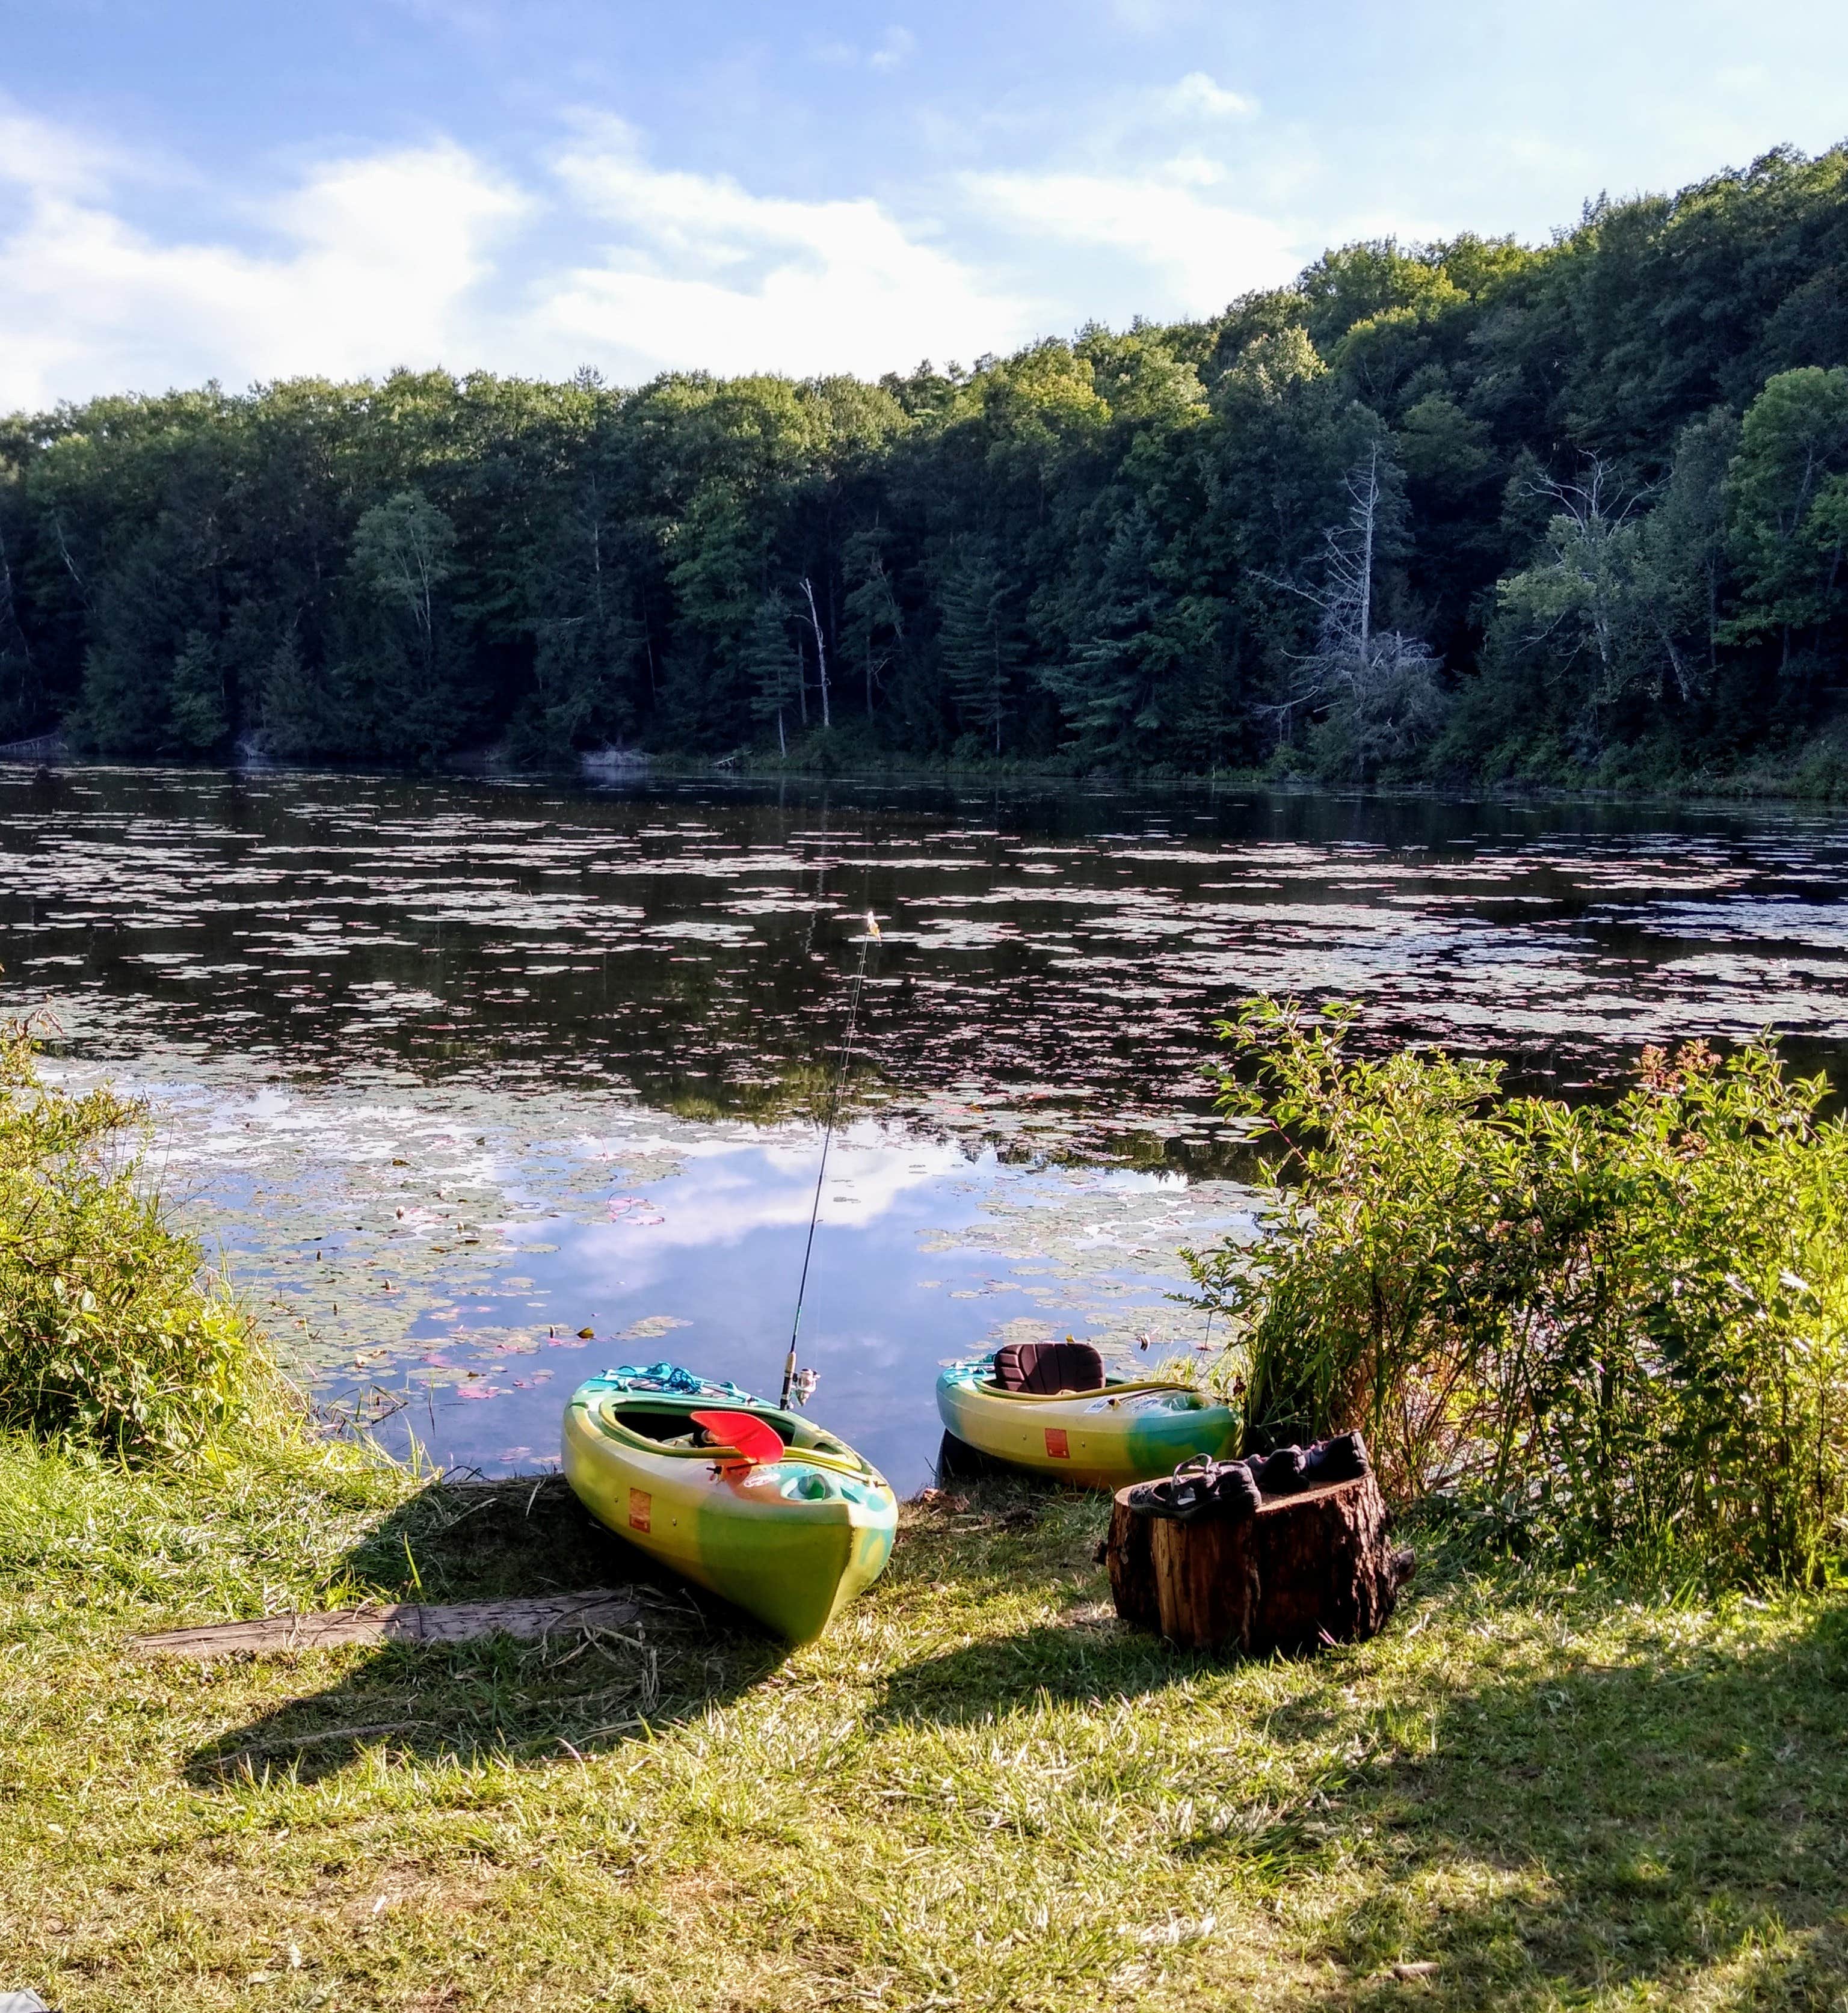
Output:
x,y
790,1542
1106,1438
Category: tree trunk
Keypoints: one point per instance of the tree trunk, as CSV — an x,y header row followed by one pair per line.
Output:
x,y
821,653
1316,1568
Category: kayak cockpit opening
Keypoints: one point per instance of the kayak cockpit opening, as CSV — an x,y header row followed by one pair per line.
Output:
x,y
669,1425
665,1428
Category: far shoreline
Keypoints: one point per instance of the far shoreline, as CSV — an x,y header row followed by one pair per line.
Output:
x,y
1730,790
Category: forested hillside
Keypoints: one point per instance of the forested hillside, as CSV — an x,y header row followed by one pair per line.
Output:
x,y
1472,510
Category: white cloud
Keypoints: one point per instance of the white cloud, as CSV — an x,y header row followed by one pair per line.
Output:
x,y
728,1192
1145,186
35,152
1205,253
378,257
896,48
700,272
899,47
417,257
1198,95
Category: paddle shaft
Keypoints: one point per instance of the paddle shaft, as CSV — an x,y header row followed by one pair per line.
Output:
x,y
821,1173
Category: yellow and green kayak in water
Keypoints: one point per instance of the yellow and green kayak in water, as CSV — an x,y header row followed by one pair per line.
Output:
x,y
1101,1435
790,1536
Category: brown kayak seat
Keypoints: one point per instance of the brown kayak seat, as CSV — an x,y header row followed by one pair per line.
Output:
x,y
1046,1368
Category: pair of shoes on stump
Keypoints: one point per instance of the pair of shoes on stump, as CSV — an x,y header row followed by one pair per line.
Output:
x,y
1199,1487
1236,1488
1290,1470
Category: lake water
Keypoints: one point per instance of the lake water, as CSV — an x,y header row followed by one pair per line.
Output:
x,y
450,1071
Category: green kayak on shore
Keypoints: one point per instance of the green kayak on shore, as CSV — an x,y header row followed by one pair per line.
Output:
x,y
1048,1409
789,1539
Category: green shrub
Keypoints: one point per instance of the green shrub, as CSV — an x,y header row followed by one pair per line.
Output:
x,y
1624,1325
110,1334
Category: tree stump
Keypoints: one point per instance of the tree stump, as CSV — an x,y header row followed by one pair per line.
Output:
x,y
1315,1567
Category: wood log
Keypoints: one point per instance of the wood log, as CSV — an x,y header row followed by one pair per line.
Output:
x,y
1308,1569
396,1621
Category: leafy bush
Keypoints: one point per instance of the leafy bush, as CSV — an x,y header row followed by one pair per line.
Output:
x,y
108,1333
1624,1325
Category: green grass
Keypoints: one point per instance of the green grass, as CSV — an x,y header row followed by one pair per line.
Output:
x,y
978,1792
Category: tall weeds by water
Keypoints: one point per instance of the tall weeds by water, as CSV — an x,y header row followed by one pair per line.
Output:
x,y
110,1334
1617,1326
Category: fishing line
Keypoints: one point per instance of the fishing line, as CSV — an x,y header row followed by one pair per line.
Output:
x,y
821,1173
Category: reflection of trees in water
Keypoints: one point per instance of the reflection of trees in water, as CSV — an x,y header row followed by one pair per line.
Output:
x,y
1052,964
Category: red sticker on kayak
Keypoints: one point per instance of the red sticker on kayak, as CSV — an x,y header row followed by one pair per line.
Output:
x,y
1057,1445
641,1507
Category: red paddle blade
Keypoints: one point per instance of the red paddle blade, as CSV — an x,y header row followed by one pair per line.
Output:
x,y
756,1439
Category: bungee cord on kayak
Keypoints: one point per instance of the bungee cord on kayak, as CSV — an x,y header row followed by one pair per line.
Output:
x,y
800,1387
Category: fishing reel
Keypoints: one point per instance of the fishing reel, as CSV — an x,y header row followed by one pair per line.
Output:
x,y
803,1389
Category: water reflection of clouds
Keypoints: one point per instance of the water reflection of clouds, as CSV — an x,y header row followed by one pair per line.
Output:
x,y
725,1191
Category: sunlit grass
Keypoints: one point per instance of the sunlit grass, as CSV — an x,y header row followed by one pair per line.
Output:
x,y
977,1792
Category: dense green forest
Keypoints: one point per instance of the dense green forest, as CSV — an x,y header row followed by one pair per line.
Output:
x,y
1474,510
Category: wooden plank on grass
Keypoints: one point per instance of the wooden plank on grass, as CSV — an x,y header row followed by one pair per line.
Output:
x,y
398,1621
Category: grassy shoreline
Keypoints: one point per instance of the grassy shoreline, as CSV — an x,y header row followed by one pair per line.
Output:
x,y
1537,1790
978,1791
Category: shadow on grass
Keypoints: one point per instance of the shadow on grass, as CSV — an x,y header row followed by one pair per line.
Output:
x,y
992,1537
1666,1830
1633,1805
1065,1664
502,1698
997,1534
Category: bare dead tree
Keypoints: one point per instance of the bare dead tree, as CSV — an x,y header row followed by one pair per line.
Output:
x,y
1598,594
1384,682
821,650
70,565
872,608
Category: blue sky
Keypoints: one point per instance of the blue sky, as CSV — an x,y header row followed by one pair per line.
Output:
x,y
243,191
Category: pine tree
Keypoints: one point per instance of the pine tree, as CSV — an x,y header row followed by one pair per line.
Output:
x,y
196,696
773,665
979,646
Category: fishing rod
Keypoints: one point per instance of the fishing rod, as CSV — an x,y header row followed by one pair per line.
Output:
x,y
821,1173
